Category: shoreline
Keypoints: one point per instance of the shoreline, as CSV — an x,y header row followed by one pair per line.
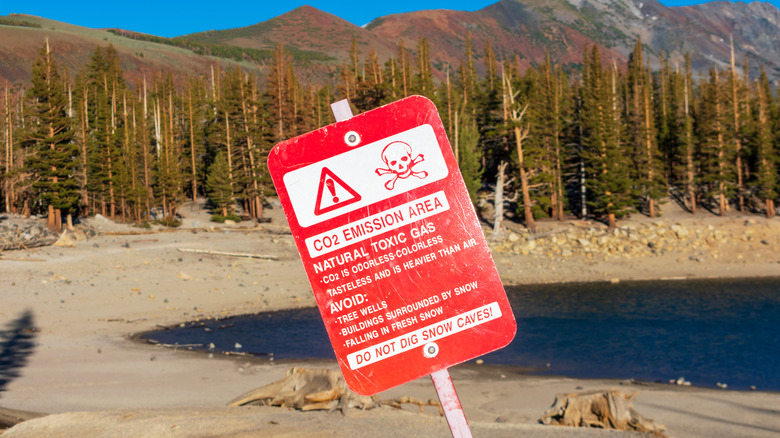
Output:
x,y
87,301
146,338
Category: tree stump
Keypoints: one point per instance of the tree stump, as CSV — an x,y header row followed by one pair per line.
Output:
x,y
307,389
601,409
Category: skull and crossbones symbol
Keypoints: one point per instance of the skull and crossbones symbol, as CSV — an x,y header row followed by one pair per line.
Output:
x,y
399,161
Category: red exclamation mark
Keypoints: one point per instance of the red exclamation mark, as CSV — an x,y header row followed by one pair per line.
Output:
x,y
329,183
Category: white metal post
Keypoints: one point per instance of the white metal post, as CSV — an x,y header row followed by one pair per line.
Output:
x,y
441,379
450,403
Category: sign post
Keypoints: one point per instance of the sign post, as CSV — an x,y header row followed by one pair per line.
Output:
x,y
393,249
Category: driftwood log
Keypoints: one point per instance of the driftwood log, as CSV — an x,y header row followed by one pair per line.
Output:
x,y
12,417
602,409
230,254
307,389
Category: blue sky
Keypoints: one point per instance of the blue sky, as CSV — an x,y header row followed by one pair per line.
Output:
x,y
181,17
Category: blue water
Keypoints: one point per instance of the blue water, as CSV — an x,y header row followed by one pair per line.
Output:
x,y
705,331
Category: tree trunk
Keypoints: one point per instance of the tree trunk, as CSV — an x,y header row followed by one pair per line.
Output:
x,y
737,140
530,223
721,160
649,146
229,154
689,150
57,220
50,221
192,146
498,202
770,208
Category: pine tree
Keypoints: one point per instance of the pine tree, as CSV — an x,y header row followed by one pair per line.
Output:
x,y
642,136
469,158
424,79
492,80
403,66
277,89
195,116
766,154
168,165
219,186
683,136
549,128
606,163
717,160
468,82
102,84
736,91
11,162
53,161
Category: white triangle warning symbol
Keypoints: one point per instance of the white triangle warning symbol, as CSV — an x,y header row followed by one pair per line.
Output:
x,y
333,193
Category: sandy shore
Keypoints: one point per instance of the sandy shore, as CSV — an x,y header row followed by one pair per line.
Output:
x,y
86,301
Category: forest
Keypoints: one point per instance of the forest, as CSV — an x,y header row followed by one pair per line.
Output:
x,y
601,142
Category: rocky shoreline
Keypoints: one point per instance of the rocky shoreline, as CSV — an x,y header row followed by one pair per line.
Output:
x,y
642,240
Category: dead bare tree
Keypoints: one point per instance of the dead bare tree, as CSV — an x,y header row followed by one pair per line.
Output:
x,y
499,199
521,131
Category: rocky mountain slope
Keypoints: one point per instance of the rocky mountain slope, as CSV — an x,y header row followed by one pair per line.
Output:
x,y
564,27
22,36
321,42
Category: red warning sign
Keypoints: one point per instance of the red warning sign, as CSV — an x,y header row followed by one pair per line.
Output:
x,y
333,193
401,272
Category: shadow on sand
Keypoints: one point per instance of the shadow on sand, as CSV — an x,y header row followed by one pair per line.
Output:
x,y
16,345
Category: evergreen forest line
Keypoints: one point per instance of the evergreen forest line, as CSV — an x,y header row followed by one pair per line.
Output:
x,y
602,142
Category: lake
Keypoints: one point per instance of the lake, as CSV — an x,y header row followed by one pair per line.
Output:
x,y
707,331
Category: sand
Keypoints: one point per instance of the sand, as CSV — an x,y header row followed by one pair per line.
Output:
x,y
87,302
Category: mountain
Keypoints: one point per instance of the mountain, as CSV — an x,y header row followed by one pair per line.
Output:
x,y
321,43
304,30
529,27
22,36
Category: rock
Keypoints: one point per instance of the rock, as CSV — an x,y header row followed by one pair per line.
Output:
x,y
680,232
31,233
65,241
185,277
513,237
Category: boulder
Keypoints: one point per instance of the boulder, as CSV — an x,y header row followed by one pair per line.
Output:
x,y
27,234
